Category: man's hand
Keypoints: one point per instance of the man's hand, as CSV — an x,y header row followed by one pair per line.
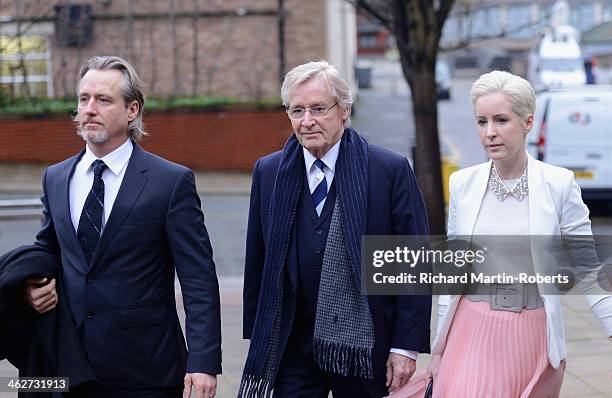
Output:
x,y
41,294
204,385
399,370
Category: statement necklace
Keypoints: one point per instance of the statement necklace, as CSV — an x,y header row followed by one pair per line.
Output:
x,y
497,186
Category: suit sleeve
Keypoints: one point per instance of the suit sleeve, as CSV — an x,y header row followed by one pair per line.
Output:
x,y
574,218
192,255
452,206
411,327
444,300
254,259
46,237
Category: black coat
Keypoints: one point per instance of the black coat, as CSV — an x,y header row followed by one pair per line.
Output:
x,y
38,345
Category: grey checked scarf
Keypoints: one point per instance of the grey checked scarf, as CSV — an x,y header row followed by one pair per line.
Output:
x,y
344,331
335,350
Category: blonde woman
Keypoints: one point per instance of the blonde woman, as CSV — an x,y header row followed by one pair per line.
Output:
x,y
483,349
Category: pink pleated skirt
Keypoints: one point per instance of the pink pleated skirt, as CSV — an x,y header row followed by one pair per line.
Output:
x,y
493,354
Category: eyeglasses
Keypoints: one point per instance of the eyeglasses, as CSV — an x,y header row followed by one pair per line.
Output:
x,y
316,111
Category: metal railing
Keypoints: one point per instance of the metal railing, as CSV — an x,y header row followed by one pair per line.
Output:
x,y
11,209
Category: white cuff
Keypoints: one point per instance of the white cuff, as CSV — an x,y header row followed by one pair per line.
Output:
x,y
603,310
407,353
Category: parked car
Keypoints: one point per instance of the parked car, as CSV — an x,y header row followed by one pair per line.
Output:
x,y
443,80
573,129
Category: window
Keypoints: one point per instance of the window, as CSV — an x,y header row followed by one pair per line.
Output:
x,y
485,22
450,31
472,23
519,22
607,12
368,41
24,66
582,17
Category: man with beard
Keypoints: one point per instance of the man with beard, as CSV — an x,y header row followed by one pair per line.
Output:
x,y
122,221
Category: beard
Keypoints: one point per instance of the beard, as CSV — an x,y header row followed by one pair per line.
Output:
x,y
93,137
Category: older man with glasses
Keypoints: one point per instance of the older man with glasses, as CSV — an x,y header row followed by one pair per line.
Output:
x,y
311,329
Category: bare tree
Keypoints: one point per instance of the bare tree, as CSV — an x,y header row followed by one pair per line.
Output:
x,y
212,61
417,28
150,29
20,67
258,62
195,49
175,5
129,31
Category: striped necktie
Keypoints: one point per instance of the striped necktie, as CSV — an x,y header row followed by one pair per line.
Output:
x,y
90,223
320,192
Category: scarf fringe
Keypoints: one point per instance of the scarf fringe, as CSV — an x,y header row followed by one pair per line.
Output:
x,y
343,359
253,386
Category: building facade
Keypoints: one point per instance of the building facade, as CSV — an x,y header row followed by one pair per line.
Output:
x,y
238,48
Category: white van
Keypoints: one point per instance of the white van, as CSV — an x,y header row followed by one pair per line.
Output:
x,y
573,129
557,60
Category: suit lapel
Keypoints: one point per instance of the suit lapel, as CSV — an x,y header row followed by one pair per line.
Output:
x,y
475,190
541,208
133,182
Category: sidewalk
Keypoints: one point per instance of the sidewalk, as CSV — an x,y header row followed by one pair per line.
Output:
x,y
25,180
589,364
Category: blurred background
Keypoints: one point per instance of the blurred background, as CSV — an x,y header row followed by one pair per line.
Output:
x,y
212,71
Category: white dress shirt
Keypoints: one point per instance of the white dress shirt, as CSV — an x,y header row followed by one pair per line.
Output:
x,y
315,176
82,180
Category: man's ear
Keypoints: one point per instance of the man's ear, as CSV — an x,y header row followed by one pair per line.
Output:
x,y
346,113
133,109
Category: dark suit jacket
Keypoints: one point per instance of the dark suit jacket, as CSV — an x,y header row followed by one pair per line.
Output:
x,y
124,302
395,207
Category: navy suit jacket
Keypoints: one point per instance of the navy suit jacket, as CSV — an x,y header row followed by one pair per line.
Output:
x,y
123,303
395,207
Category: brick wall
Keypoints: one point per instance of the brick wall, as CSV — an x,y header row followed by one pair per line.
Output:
x,y
225,141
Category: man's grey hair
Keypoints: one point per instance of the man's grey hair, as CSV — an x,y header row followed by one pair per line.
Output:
x,y
518,90
327,74
132,87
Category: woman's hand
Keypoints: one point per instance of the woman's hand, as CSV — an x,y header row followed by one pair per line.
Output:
x,y
432,369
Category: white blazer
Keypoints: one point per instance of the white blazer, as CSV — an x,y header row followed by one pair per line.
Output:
x,y
555,208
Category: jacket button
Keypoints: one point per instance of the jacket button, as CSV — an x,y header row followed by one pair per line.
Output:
x,y
318,251
90,314
90,279
319,231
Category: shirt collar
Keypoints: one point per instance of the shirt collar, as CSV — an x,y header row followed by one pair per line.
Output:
x,y
115,161
329,158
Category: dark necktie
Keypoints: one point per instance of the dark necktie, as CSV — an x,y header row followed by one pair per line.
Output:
x,y
90,223
320,192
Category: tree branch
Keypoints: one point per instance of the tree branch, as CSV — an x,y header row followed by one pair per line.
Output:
x,y
479,38
372,12
443,12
